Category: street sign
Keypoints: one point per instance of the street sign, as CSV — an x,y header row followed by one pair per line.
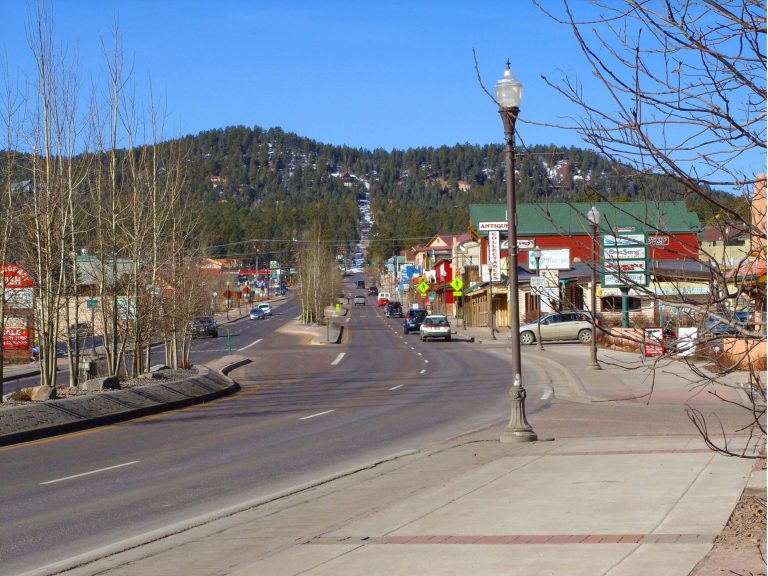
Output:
x,y
457,292
538,282
457,284
423,287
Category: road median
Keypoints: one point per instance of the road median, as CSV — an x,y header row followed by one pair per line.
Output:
x,y
59,416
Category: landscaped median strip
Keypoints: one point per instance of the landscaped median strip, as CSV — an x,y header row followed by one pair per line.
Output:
x,y
52,417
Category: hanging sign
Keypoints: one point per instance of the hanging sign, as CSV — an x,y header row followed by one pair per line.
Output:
x,y
494,257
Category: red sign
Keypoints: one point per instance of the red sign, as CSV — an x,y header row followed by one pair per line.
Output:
x,y
227,294
17,277
653,342
246,289
15,338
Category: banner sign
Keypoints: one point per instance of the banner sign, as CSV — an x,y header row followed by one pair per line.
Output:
x,y
494,258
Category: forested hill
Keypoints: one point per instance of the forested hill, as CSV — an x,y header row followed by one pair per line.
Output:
x,y
269,184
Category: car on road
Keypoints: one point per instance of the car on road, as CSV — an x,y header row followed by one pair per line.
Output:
x,y
359,300
566,325
266,308
393,310
435,326
384,297
257,314
204,326
413,320
373,291
361,284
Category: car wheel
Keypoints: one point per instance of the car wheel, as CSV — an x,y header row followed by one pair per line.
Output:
x,y
423,339
447,338
215,335
585,336
527,338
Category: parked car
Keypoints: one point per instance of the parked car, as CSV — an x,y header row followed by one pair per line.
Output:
x,y
413,319
743,320
361,284
204,326
373,291
383,298
257,314
359,300
266,308
435,326
394,310
575,325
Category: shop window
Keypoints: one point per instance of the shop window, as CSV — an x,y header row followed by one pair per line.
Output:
x,y
613,303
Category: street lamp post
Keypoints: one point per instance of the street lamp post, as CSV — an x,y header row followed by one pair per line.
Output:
x,y
508,94
537,256
594,219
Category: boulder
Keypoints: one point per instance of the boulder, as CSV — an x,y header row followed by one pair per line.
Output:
x,y
103,383
42,393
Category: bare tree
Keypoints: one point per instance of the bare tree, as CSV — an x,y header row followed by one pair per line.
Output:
x,y
319,279
685,91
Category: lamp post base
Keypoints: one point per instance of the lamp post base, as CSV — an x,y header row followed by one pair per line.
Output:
x,y
509,436
518,429
595,367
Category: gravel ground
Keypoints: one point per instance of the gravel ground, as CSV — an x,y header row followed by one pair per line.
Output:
x,y
739,550
66,391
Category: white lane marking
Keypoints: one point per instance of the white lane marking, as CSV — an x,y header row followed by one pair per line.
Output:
x,y
89,473
396,387
422,372
249,345
338,358
419,353
426,361
316,415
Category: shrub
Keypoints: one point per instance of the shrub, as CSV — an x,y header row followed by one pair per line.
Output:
x,y
21,395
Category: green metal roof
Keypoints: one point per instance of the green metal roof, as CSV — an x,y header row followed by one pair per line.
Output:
x,y
565,219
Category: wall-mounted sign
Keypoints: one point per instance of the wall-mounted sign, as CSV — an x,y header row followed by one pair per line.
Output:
x,y
489,226
624,260
522,245
658,241
494,258
551,260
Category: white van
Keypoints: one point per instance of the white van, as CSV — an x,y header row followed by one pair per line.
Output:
x,y
383,298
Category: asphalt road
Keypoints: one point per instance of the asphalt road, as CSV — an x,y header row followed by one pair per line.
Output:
x,y
304,412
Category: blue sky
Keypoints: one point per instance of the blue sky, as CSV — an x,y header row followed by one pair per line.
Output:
x,y
364,74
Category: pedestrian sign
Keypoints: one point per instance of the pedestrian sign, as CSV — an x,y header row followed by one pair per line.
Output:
x,y
423,287
457,284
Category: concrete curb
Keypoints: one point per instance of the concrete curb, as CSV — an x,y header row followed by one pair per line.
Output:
x,y
576,391
33,421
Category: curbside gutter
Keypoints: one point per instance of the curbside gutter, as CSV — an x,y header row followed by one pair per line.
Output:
x,y
53,417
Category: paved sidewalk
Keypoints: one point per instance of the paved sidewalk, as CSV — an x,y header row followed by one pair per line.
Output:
x,y
579,506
